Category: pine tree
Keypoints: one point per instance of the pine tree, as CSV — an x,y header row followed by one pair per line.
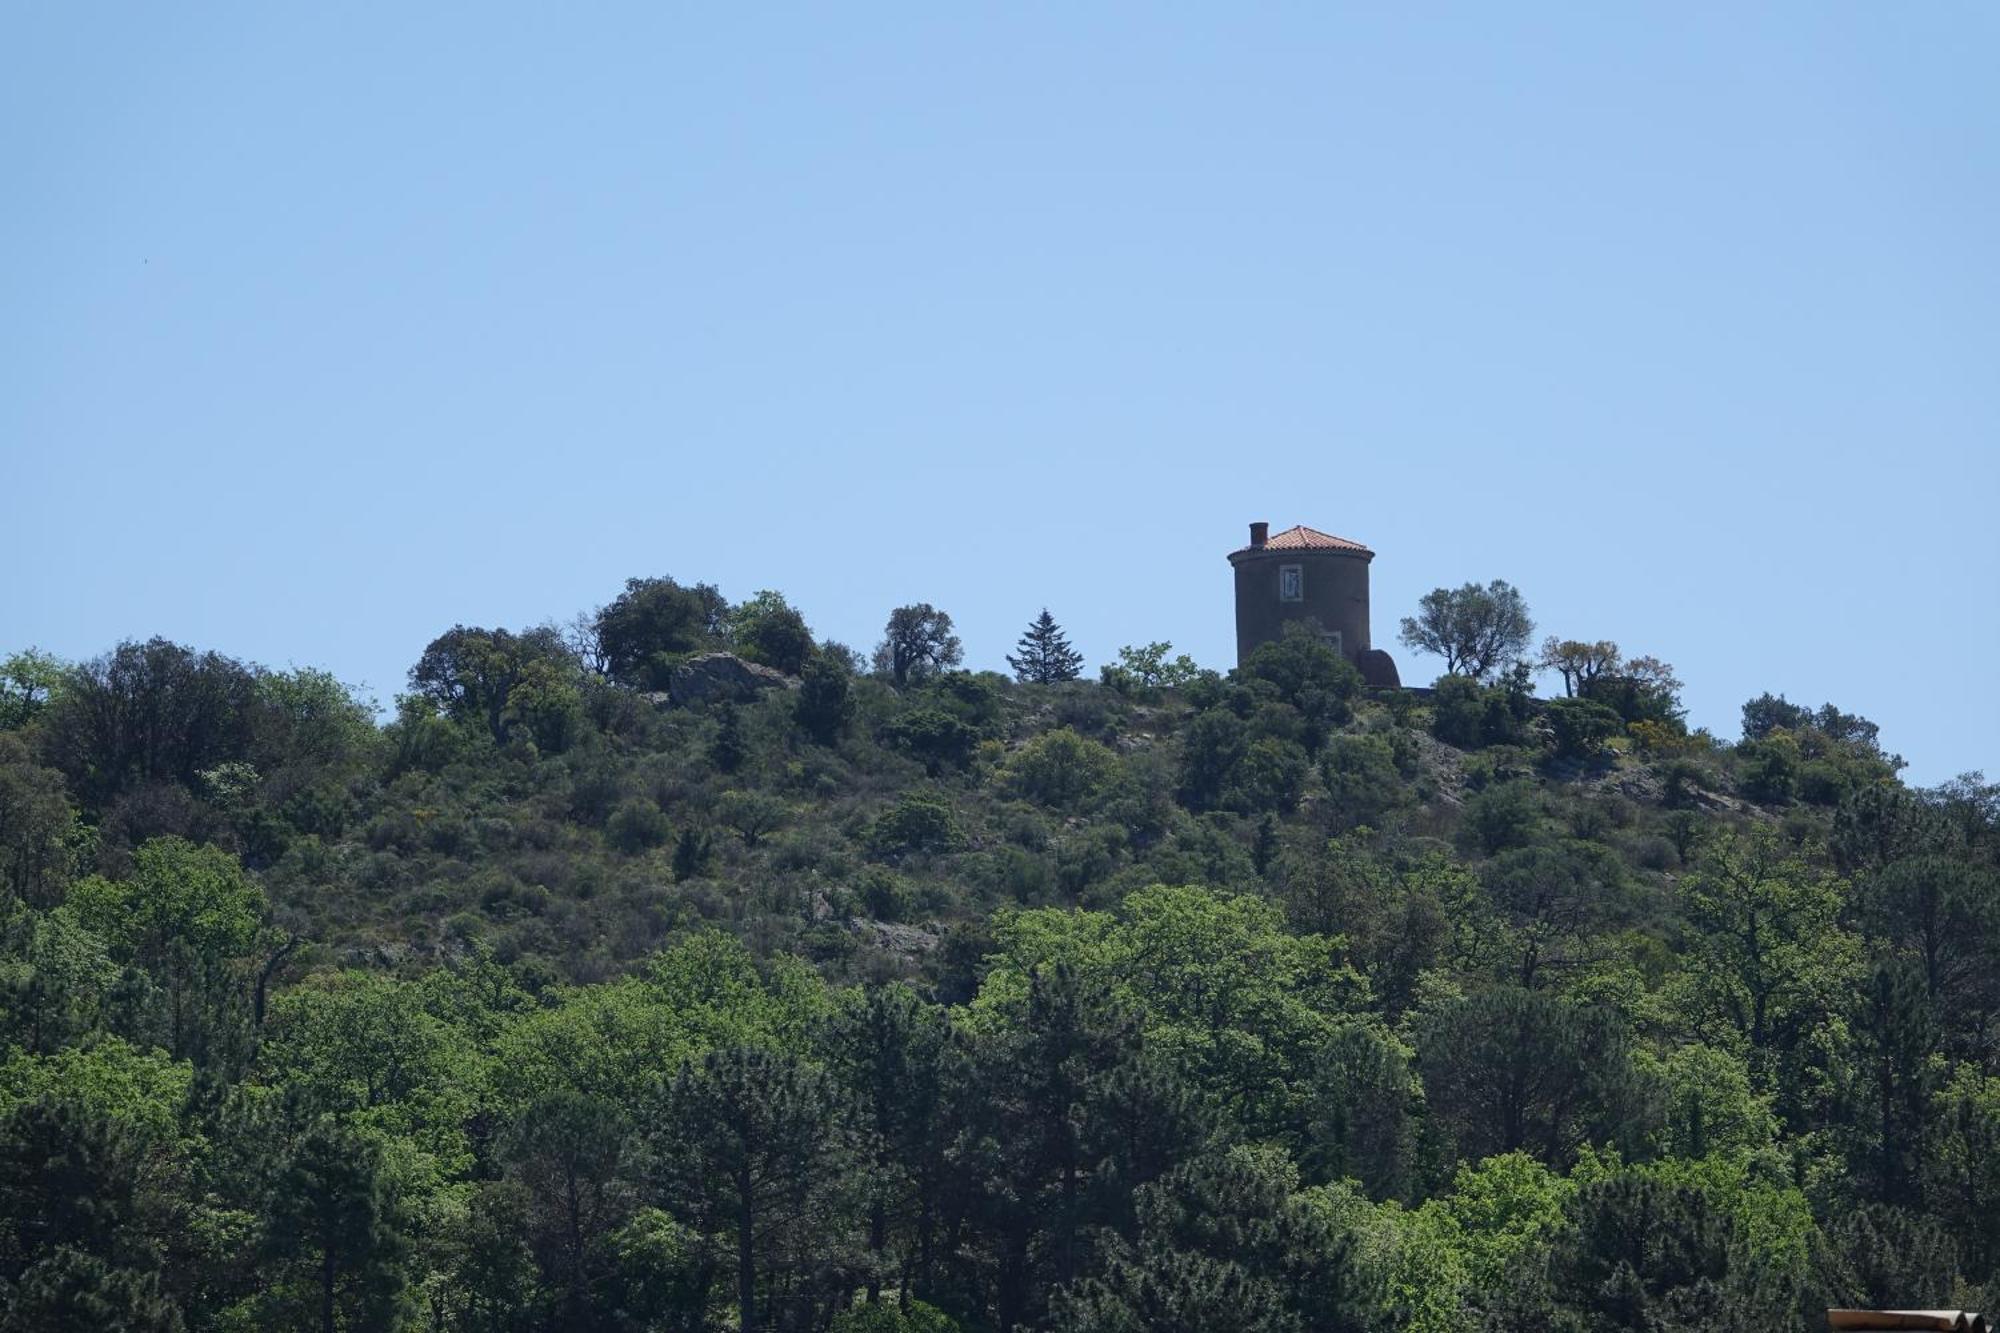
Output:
x,y
1046,656
335,1234
760,1157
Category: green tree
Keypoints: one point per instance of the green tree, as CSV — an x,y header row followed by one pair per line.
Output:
x,y
1769,961
29,679
1299,670
752,814
1892,1081
768,629
644,632
760,1157
37,827
935,735
1510,1069
1363,781
1579,664
1065,1126
1044,657
825,704
917,644
575,1157
1648,1255
903,1067
729,749
335,1241
1943,913
1470,716
188,919
1225,1242
498,678
1360,1112
1503,816
1555,901
71,1291
1061,769
148,712
1582,726
1212,744
916,823
73,1181
1144,672
1477,630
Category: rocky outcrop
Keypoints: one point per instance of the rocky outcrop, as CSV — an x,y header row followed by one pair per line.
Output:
x,y
720,677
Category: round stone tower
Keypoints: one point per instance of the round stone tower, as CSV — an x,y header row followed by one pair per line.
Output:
x,y
1304,574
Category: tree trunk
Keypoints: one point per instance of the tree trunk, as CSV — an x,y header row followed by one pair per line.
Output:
x,y
746,1253
327,1281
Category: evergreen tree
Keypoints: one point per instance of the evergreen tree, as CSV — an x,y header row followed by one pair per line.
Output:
x,y
571,1152
760,1158
1045,655
75,1248
74,1292
334,1237
902,1065
729,748
825,702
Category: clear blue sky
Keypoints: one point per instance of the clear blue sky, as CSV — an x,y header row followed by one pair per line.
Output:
x,y
325,327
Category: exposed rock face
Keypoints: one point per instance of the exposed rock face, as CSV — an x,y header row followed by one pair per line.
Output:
x,y
715,677
1378,669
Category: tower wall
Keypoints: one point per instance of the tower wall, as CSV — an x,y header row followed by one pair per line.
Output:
x,y
1331,588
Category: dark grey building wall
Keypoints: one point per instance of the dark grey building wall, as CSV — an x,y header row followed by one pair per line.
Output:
x,y
1334,593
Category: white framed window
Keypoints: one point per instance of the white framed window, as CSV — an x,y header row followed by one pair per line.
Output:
x,y
1291,583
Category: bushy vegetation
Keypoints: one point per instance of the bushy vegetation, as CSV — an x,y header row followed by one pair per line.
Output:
x,y
920,999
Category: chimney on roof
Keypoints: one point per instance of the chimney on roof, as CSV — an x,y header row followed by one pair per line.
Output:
x,y
1259,532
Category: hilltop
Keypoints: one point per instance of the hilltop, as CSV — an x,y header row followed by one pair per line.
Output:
x,y
1170,999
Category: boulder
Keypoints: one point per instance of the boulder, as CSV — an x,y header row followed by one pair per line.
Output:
x,y
719,677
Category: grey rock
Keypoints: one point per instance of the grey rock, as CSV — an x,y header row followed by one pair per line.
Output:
x,y
718,677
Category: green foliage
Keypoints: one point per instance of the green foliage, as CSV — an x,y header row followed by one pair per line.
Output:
x,y
768,629
1470,715
1062,770
1302,672
1507,1070
825,703
335,1248
1478,631
935,735
1363,779
1507,814
1144,673
29,679
917,644
37,827
636,826
503,680
916,823
1044,657
147,713
1582,726
645,631
1191,1001
186,921
760,1162
914,1317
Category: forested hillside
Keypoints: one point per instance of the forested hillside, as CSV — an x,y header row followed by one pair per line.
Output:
x,y
615,986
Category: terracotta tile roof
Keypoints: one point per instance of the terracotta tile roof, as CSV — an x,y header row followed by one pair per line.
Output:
x,y
1303,538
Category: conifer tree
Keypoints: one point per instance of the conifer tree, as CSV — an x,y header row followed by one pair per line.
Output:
x,y
1045,654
